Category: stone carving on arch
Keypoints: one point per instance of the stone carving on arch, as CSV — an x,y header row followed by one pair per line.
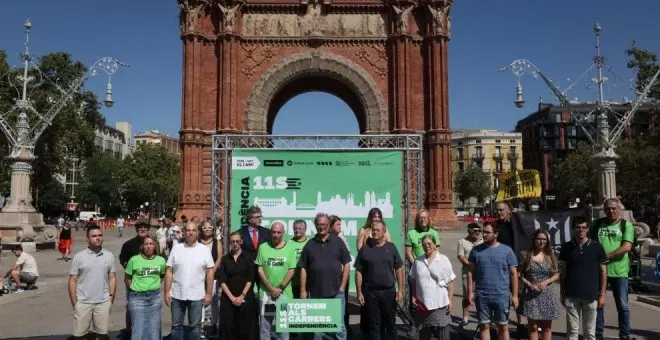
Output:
x,y
320,63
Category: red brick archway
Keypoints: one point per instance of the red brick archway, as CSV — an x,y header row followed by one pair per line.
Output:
x,y
244,59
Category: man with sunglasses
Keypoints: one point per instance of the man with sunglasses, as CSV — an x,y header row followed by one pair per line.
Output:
x,y
465,246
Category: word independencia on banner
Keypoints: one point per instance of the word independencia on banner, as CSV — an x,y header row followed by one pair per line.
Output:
x,y
306,316
519,184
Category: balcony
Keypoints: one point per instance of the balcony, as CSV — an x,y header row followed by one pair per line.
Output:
x,y
498,157
478,158
512,156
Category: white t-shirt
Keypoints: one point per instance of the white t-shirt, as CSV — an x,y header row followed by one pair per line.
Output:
x,y
27,264
431,281
189,265
120,222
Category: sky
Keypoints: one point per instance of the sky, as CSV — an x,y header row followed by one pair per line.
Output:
x,y
557,36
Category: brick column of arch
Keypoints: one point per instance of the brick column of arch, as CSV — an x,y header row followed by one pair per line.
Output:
x,y
321,63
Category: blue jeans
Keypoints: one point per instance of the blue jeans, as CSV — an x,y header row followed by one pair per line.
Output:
x,y
144,308
341,335
194,308
619,287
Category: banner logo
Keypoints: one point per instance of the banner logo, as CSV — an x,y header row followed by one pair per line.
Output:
x,y
245,163
273,162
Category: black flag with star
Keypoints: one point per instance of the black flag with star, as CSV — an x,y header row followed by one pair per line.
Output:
x,y
557,223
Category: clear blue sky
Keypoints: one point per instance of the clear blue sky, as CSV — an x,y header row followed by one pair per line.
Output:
x,y
556,35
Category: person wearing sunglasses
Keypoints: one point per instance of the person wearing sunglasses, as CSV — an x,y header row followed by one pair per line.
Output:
x,y
465,246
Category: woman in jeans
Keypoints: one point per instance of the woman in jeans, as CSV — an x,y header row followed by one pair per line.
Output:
x,y
432,290
144,273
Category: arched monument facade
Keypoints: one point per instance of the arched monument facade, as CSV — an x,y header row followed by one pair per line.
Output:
x,y
242,60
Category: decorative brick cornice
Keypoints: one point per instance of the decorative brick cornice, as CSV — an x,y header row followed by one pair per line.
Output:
x,y
438,137
195,137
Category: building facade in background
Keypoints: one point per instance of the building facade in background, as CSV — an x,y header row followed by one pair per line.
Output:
x,y
549,134
156,137
114,140
495,152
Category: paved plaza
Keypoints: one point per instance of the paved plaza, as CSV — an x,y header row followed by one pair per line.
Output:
x,y
46,313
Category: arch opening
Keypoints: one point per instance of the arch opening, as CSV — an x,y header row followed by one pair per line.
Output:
x,y
315,104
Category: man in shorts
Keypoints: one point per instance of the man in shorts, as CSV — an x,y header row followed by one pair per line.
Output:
x,y
492,269
465,246
92,285
24,271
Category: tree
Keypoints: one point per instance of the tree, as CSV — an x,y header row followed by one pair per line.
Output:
x,y
472,182
151,174
636,185
71,133
645,63
52,198
101,184
575,176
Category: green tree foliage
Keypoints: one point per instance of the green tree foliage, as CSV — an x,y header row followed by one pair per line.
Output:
x,y
637,165
51,198
151,174
575,176
71,133
472,182
645,63
101,183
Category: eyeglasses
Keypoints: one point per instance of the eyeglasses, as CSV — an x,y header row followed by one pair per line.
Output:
x,y
256,217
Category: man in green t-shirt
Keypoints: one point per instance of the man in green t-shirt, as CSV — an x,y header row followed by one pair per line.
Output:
x,y
276,261
298,242
414,236
617,242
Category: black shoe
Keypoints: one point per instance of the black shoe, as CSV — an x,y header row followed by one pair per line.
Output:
x,y
522,332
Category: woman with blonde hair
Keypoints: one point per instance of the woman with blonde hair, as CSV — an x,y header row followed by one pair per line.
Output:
x,y
539,269
144,276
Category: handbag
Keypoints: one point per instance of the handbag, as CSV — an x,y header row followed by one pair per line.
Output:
x,y
420,307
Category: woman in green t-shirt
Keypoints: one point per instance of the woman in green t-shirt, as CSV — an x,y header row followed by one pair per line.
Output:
x,y
144,274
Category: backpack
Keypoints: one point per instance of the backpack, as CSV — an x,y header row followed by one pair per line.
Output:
x,y
593,233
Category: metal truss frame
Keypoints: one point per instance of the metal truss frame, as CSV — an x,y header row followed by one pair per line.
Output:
x,y
409,144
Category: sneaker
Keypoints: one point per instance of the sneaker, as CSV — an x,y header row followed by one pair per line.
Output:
x,y
463,323
19,290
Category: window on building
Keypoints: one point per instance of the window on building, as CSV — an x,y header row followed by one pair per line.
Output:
x,y
571,131
497,141
498,151
557,117
108,145
461,167
478,141
499,167
512,141
459,153
479,151
555,131
545,144
98,142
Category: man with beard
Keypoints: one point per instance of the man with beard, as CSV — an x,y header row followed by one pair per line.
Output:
x,y
276,261
507,237
492,269
129,249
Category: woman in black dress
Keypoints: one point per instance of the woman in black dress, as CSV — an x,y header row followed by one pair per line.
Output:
x,y
238,310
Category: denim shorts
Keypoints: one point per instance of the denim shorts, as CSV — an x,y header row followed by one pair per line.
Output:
x,y
493,309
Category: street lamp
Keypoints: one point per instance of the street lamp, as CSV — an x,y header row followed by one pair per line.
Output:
x,y
22,137
604,140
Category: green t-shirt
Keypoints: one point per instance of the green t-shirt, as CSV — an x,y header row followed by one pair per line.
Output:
x,y
145,274
414,240
610,237
276,264
297,248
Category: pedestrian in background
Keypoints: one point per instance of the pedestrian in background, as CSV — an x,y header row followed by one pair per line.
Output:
x,y
64,241
143,277
464,248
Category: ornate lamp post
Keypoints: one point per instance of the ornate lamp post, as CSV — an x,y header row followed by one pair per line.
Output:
x,y
604,140
19,214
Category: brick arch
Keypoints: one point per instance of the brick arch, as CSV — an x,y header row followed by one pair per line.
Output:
x,y
373,111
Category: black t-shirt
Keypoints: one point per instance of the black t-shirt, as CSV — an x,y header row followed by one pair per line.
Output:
x,y
324,262
505,235
129,249
235,274
377,265
582,269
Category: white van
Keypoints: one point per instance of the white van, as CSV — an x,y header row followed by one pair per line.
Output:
x,y
86,215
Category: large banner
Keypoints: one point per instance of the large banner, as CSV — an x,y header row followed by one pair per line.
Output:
x,y
556,223
519,184
291,185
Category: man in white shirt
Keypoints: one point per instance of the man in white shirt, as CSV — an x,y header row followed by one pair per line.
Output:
x,y
161,235
120,225
24,271
188,283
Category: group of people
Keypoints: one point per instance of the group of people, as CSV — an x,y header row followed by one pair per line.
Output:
x,y
495,278
263,267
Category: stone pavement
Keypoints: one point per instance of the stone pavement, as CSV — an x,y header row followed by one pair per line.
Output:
x,y
46,313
